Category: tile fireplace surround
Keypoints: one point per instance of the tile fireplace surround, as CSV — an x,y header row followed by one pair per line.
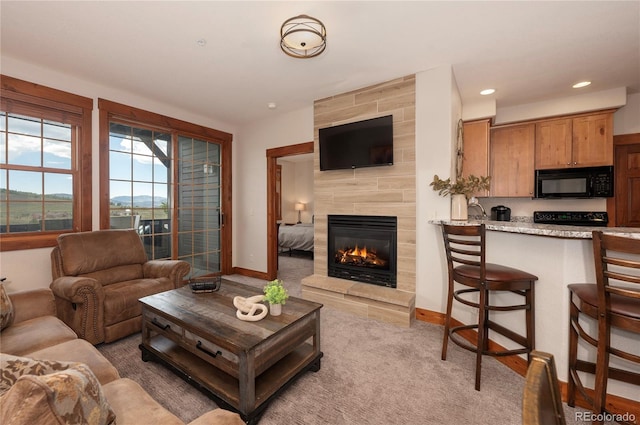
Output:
x,y
385,191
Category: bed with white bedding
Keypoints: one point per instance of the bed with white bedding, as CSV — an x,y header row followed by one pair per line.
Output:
x,y
298,237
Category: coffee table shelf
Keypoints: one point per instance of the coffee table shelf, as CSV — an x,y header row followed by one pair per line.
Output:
x,y
227,386
241,365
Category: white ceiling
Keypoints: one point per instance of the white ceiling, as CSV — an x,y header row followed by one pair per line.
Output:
x,y
528,51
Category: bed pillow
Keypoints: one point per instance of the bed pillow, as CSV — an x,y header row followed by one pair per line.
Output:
x,y
6,308
72,396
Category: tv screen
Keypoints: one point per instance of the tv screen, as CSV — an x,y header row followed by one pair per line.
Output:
x,y
367,143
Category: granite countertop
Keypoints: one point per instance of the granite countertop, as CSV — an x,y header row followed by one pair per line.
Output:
x,y
524,225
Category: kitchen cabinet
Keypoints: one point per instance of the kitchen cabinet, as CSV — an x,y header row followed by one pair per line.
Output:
x,y
580,141
553,144
593,140
512,151
475,159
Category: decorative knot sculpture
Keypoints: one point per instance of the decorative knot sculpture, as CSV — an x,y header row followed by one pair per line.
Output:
x,y
250,309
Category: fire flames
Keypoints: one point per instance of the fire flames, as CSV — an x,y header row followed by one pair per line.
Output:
x,y
360,257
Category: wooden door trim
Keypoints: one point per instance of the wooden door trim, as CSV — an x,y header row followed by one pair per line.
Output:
x,y
619,140
626,139
272,235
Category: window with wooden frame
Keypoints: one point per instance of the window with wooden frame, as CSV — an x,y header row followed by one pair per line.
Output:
x,y
45,164
170,180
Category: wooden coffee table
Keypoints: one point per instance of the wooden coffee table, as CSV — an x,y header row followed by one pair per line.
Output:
x,y
241,365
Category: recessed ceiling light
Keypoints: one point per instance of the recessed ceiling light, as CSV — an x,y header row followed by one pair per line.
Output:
x,y
202,42
487,91
272,105
581,84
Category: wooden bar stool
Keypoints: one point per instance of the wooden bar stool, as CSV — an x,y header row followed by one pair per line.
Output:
x,y
614,301
465,249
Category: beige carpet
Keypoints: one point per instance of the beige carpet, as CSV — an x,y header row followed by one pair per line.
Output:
x,y
372,373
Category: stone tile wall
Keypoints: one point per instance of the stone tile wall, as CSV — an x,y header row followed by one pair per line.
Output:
x,y
385,190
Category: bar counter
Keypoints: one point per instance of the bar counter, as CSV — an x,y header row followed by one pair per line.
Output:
x,y
559,255
526,227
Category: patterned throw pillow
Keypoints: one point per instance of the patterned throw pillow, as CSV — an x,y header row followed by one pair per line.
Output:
x,y
13,367
72,396
6,308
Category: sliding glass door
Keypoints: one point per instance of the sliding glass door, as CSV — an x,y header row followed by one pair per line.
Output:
x,y
199,204
170,180
139,185
145,195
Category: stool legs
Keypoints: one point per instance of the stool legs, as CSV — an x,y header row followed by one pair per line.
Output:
x,y
530,318
602,366
573,353
447,319
483,333
481,346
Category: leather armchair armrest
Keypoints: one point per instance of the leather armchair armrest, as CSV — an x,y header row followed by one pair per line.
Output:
x,y
74,289
32,303
80,304
175,270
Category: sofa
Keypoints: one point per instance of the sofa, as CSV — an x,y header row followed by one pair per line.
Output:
x,y
50,376
98,278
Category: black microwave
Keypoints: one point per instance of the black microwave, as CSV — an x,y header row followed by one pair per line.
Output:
x,y
586,182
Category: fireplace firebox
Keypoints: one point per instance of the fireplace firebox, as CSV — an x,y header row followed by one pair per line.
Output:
x,y
363,248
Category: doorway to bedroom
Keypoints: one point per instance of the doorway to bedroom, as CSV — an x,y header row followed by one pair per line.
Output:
x,y
286,204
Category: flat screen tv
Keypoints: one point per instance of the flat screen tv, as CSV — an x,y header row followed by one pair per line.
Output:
x,y
367,143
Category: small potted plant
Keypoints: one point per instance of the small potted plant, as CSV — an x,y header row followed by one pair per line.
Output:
x,y
276,294
460,192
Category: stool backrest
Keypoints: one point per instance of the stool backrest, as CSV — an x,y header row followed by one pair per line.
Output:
x,y
542,401
617,261
465,245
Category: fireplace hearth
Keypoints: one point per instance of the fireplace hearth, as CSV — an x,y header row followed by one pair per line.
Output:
x,y
363,248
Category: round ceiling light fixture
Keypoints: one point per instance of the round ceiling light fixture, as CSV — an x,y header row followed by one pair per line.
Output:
x,y
581,84
486,92
303,37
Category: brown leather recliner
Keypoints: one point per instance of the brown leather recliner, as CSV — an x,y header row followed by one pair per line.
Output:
x,y
98,278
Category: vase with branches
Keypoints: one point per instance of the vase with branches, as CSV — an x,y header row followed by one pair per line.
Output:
x,y
463,186
460,191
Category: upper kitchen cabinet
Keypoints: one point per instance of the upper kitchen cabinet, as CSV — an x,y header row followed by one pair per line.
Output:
x,y
512,151
553,144
581,141
593,140
475,147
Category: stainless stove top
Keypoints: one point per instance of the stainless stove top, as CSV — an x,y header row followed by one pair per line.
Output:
x,y
571,218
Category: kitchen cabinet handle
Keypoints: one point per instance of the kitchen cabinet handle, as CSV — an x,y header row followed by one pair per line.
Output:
x,y
214,355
